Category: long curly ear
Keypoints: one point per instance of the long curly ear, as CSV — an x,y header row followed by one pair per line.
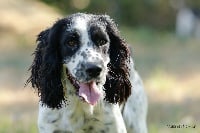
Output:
x,y
46,68
117,86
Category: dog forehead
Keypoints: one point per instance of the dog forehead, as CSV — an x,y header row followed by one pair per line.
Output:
x,y
80,23
83,22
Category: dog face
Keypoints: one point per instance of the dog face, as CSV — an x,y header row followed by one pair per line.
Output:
x,y
84,48
91,50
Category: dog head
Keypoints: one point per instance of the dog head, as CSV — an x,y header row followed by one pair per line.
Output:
x,y
92,54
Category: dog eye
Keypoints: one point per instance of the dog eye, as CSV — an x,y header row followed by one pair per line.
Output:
x,y
72,43
98,36
101,42
72,40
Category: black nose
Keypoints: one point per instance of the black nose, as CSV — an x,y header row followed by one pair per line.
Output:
x,y
93,70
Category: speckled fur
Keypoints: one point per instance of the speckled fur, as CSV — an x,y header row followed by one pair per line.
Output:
x,y
58,68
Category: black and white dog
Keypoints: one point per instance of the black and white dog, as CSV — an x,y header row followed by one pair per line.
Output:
x,y
86,79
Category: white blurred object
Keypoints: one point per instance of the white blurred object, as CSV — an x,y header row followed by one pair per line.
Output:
x,y
188,22
185,22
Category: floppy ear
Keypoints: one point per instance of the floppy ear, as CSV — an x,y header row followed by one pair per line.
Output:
x,y
46,68
117,86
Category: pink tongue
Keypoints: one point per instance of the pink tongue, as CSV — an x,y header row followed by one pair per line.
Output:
x,y
89,92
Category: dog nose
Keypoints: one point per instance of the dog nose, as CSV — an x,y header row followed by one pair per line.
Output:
x,y
93,70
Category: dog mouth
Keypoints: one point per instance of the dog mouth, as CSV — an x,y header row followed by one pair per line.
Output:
x,y
89,92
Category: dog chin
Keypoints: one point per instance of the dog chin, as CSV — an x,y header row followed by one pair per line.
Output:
x,y
87,108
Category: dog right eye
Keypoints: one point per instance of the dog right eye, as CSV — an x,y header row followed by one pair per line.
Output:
x,y
72,40
72,43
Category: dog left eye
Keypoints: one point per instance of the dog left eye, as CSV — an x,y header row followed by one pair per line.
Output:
x,y
101,42
98,36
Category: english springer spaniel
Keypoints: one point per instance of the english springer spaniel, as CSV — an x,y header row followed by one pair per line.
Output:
x,y
86,80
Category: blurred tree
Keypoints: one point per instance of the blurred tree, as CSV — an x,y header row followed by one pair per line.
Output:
x,y
158,14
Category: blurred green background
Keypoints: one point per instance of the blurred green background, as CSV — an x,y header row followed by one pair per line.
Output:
x,y
169,65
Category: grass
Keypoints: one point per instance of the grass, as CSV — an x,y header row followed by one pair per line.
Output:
x,y
12,125
170,70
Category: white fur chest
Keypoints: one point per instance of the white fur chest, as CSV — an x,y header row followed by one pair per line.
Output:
x,y
79,117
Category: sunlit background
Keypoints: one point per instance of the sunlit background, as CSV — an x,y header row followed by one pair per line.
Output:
x,y
164,34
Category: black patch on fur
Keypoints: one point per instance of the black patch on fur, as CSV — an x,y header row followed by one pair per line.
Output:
x,y
46,68
117,86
